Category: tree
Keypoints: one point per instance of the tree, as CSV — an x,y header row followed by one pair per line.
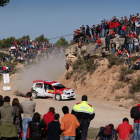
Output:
x,y
26,36
62,42
42,39
4,2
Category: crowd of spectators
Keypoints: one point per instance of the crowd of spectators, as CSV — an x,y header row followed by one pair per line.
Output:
x,y
128,28
27,50
34,126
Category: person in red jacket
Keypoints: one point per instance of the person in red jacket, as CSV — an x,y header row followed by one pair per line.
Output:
x,y
123,31
49,117
116,25
111,24
124,130
98,45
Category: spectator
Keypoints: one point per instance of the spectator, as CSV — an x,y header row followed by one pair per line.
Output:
x,y
128,56
99,43
136,43
119,53
69,124
1,100
113,135
36,127
93,30
3,58
54,130
136,127
106,27
123,30
17,118
102,29
124,130
116,25
49,117
94,38
8,129
137,24
107,39
121,24
111,24
87,31
130,42
111,32
126,41
98,30
84,113
28,109
113,47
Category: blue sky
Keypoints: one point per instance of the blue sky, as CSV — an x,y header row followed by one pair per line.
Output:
x,y
56,18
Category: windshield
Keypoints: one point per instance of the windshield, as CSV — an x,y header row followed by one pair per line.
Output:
x,y
58,86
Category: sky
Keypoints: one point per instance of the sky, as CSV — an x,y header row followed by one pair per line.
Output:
x,y
57,18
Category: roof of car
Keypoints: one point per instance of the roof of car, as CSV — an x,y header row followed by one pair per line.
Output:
x,y
42,81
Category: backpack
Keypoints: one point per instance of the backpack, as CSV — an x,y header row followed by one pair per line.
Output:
x,y
135,112
108,131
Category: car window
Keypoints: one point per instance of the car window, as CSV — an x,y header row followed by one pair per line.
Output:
x,y
39,85
49,87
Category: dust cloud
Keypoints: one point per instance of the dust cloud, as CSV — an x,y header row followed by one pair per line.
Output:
x,y
49,70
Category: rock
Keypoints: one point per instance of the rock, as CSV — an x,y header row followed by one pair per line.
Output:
x,y
137,95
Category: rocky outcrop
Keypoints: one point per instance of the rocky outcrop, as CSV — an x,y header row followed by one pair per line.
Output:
x,y
87,50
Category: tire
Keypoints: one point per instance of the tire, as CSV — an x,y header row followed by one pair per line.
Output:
x,y
58,97
34,95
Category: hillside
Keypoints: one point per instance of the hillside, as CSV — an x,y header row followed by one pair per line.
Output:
x,y
105,80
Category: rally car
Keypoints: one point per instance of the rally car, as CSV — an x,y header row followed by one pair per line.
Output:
x,y
51,89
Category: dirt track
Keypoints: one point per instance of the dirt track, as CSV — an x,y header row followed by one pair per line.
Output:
x,y
105,114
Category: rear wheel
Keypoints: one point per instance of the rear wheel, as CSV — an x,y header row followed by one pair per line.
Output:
x,y
58,97
34,95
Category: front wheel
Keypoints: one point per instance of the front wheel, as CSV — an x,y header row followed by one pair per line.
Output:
x,y
34,95
58,97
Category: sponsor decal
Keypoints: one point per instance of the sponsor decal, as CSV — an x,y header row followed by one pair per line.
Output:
x,y
50,90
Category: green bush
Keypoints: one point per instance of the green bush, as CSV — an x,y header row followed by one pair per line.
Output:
x,y
68,75
114,60
124,71
91,65
135,87
83,52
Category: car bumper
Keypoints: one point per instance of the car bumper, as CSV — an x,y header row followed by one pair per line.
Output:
x,y
65,97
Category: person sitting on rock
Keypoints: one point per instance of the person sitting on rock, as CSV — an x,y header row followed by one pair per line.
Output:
x,y
99,43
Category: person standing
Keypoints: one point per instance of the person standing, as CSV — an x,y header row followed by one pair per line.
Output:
x,y
49,117
17,118
28,109
36,126
7,128
69,124
54,130
102,29
84,113
107,39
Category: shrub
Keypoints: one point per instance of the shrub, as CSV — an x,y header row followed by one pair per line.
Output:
x,y
83,52
124,71
68,75
135,87
91,65
134,58
114,60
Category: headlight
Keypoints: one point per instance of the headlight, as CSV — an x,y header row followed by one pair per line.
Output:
x,y
64,93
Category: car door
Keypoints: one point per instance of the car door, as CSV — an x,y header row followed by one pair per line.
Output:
x,y
40,89
49,90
